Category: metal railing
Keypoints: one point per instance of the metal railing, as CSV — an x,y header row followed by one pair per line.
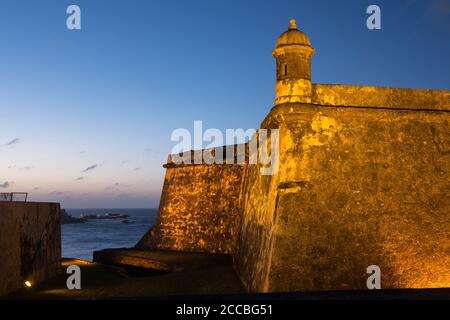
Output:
x,y
14,196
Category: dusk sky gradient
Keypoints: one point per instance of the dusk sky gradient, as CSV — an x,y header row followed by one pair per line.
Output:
x,y
86,116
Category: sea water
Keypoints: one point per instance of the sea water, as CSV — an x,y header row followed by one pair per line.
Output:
x,y
80,240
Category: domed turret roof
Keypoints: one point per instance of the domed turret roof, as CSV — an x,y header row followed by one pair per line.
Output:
x,y
293,37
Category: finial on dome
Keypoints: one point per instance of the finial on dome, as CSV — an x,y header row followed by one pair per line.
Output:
x,y
292,25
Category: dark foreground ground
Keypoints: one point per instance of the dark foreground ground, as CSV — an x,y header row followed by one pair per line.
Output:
x,y
176,275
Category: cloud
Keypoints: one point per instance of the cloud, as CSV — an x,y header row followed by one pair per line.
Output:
x,y
117,186
57,193
20,168
5,185
13,142
80,178
90,168
137,168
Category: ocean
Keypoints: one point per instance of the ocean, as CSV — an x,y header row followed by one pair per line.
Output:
x,y
80,240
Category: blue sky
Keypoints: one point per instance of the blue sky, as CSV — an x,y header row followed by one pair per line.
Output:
x,y
109,96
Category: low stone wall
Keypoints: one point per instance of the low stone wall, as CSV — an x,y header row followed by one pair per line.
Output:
x,y
199,209
30,243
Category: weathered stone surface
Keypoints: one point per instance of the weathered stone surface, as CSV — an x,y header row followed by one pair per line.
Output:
x,y
379,97
199,209
293,54
30,243
356,187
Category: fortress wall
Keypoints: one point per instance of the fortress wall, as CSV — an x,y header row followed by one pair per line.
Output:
x,y
356,187
255,239
379,97
30,243
199,209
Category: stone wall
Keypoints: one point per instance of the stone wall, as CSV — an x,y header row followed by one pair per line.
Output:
x,y
253,252
379,97
30,243
199,209
363,180
356,187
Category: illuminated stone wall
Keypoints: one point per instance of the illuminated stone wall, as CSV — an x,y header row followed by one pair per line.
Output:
x,y
379,97
199,209
30,243
363,180
356,187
